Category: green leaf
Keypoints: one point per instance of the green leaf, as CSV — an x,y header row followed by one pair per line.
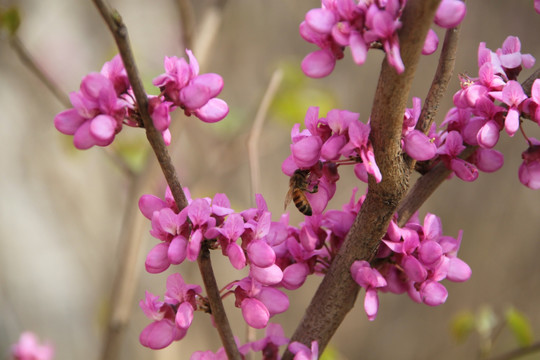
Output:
x,y
11,20
296,94
462,325
133,151
519,325
330,353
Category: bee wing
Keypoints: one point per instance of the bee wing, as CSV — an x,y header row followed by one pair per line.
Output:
x,y
288,198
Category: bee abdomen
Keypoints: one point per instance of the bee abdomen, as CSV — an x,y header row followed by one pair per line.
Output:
x,y
302,203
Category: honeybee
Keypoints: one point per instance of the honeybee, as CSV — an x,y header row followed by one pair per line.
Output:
x,y
298,186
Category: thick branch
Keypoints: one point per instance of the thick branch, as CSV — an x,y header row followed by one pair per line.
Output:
x,y
119,31
337,292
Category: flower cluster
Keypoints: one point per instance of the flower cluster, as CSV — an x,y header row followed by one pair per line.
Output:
x,y
29,348
181,234
106,101
486,105
269,346
360,25
173,316
417,258
340,138
196,94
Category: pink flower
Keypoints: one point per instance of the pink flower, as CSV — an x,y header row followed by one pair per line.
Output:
x,y
529,171
259,302
163,330
302,352
196,94
513,96
184,295
97,113
29,348
270,344
450,13
370,279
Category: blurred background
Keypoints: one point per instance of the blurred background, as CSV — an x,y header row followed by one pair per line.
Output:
x,y
65,214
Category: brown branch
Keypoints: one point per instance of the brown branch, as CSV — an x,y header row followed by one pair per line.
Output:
x,y
133,230
440,81
424,187
216,305
120,34
528,83
337,292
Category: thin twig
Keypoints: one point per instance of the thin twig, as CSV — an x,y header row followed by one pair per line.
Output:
x,y
337,292
120,34
216,305
440,81
131,237
255,133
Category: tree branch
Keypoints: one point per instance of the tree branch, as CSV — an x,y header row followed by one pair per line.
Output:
x,y
120,34
337,292
440,81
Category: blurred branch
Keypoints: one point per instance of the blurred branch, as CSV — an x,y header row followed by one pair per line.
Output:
x,y
187,22
337,292
255,133
30,63
120,34
517,353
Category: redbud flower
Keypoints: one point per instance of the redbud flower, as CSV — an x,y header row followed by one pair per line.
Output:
x,y
163,330
450,13
182,294
370,279
97,113
302,352
529,170
184,87
270,344
29,348
512,95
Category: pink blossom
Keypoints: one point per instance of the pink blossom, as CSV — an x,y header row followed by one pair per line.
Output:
x,y
270,344
431,43
182,85
450,13
302,352
319,64
163,330
529,170
29,348
370,279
